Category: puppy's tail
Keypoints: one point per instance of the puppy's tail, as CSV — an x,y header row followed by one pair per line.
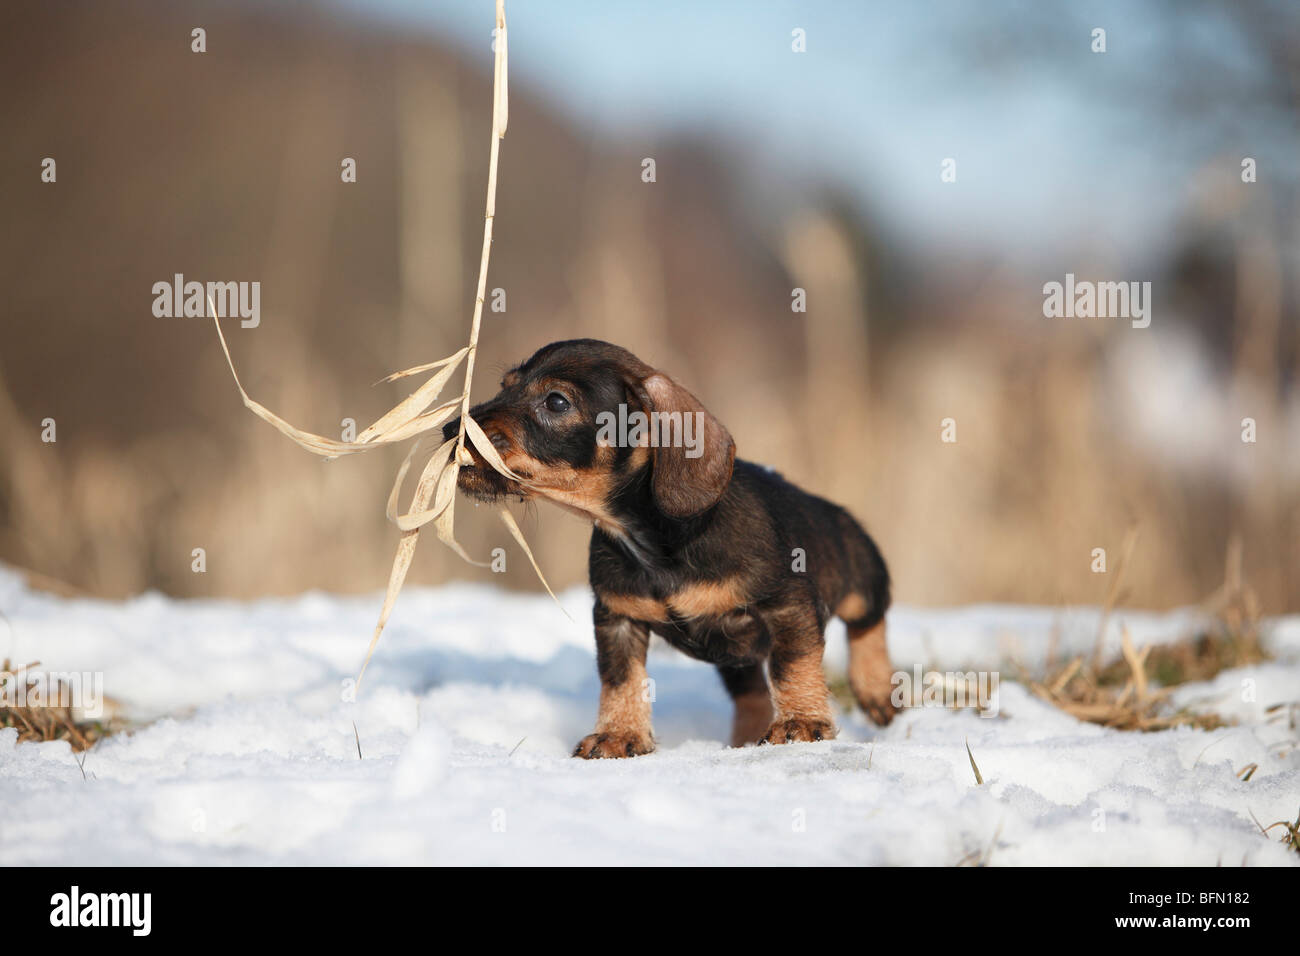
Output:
x,y
866,578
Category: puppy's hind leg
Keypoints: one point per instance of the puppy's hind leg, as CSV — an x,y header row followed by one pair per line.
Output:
x,y
870,673
752,698
863,612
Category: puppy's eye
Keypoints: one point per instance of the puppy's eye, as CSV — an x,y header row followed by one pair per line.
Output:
x,y
557,403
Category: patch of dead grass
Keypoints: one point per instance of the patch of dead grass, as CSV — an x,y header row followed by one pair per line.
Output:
x,y
50,721
1130,704
1131,693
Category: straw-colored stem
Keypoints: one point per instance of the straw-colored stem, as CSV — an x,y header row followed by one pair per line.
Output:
x,y
411,418
499,94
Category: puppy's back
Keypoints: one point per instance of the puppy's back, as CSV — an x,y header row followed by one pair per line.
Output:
x,y
850,573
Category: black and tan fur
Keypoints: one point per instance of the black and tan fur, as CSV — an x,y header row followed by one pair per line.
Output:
x,y
697,550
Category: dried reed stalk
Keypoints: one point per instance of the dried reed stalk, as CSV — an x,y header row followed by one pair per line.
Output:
x,y
1112,593
434,498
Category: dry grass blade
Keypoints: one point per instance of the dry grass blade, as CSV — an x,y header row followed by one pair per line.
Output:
x,y
424,491
1112,593
417,369
396,578
500,77
509,521
1137,661
1292,838
316,444
416,402
431,476
486,449
1066,675
391,508
1257,823
423,424
319,444
411,417
979,781
499,115
444,524
447,535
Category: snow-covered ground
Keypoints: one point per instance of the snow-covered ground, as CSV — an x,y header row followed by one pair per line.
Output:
x,y
246,751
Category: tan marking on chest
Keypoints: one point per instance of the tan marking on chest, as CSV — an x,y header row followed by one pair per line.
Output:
x,y
637,607
700,600
708,598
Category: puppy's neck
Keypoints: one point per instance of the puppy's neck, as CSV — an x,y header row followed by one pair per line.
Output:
x,y
636,525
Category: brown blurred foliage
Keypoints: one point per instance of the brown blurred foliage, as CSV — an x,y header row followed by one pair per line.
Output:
x,y
226,167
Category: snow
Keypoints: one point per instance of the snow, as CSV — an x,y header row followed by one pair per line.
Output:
x,y
246,752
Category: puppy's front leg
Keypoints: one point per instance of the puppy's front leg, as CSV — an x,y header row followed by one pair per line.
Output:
x,y
799,692
623,724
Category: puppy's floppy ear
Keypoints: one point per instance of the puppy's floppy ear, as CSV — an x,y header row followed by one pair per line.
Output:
x,y
684,486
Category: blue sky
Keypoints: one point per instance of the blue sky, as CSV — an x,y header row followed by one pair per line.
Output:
x,y
1051,140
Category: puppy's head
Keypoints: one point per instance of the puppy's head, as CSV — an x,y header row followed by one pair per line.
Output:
x,y
582,419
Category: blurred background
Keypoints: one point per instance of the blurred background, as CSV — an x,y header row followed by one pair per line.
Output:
x,y
775,170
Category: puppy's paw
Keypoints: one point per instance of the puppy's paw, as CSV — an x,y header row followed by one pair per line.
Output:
x,y
614,744
798,730
879,707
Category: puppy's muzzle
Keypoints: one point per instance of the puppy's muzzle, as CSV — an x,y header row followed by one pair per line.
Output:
x,y
479,479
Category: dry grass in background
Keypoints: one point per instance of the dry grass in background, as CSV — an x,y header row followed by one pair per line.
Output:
x,y
691,273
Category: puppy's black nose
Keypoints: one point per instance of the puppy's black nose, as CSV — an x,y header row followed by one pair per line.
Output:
x,y
499,441
451,429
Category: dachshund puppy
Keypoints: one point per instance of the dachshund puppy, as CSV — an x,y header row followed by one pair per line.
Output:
x,y
724,559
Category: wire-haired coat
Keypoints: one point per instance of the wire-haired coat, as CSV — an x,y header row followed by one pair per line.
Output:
x,y
724,559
